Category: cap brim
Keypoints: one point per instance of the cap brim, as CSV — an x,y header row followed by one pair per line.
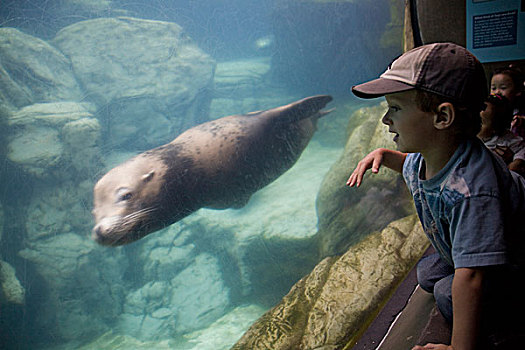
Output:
x,y
379,87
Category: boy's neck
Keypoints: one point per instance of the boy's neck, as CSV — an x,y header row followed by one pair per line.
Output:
x,y
437,157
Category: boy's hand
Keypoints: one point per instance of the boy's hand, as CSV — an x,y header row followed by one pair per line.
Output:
x,y
373,160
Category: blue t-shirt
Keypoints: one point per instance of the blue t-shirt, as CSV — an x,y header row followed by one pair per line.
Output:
x,y
473,210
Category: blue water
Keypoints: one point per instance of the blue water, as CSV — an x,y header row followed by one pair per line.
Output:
x,y
201,282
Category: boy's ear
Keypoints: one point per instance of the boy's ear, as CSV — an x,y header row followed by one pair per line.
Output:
x,y
445,116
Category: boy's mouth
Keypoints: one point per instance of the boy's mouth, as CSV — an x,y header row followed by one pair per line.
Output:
x,y
396,136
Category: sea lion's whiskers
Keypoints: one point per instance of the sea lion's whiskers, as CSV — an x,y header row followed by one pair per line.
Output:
x,y
137,215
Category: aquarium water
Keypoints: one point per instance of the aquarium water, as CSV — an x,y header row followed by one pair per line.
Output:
x,y
87,84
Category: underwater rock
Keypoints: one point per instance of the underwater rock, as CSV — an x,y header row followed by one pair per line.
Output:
x,y
145,315
48,140
82,289
32,71
11,291
199,294
328,308
1,221
58,257
44,20
148,77
81,139
112,341
166,261
241,86
221,334
346,214
241,78
58,208
193,299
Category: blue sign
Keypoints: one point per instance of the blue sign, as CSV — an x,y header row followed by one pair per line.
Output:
x,y
496,29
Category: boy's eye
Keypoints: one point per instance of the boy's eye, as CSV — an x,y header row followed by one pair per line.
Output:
x,y
393,108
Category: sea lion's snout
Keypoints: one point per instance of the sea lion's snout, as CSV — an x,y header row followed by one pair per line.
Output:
x,y
97,235
102,232
117,230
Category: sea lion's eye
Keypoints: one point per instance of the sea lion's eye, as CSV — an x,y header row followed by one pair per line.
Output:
x,y
124,194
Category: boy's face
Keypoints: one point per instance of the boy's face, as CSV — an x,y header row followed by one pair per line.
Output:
x,y
503,85
413,127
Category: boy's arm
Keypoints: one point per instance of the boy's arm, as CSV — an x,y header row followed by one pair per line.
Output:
x,y
466,305
381,156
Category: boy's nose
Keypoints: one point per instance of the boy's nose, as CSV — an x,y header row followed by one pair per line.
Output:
x,y
386,119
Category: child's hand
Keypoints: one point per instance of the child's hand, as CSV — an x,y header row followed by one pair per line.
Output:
x,y
505,153
373,160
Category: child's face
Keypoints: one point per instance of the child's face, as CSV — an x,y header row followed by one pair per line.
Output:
x,y
412,126
503,85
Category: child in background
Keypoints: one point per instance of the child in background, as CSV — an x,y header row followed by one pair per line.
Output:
x,y
470,205
496,135
508,82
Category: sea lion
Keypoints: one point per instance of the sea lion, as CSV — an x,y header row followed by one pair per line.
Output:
x,y
218,164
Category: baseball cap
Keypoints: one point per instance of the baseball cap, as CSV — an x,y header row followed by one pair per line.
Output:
x,y
445,69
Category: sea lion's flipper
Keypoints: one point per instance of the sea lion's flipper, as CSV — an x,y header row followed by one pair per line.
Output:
x,y
302,109
323,113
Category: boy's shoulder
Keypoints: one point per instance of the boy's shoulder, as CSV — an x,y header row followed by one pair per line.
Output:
x,y
472,170
478,172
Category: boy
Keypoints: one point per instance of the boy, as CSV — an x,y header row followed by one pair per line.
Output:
x,y
470,205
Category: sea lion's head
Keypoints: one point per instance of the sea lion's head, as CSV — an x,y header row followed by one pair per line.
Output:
x,y
126,201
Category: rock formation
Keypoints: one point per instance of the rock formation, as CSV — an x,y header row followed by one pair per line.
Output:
x,y
331,306
11,291
33,71
55,140
148,78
